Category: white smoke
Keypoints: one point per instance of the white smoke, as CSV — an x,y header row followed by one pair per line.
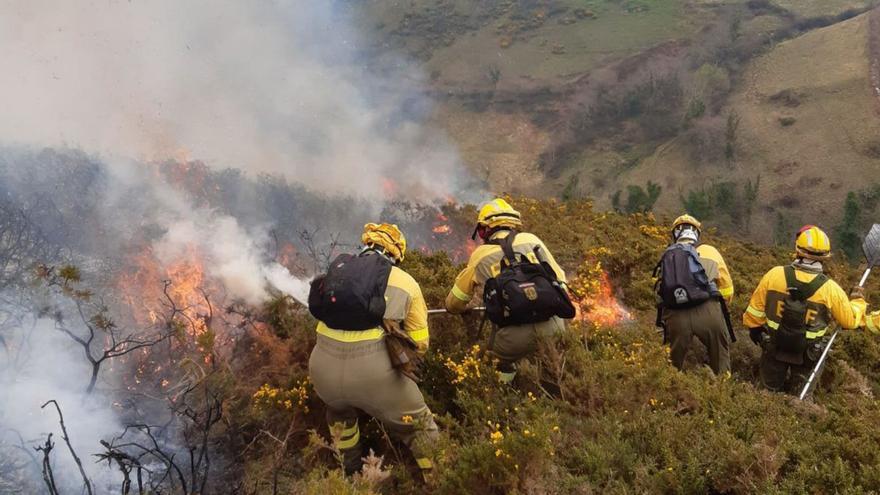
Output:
x,y
280,278
38,364
263,86
235,258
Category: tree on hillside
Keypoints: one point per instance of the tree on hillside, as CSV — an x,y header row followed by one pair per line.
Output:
x,y
698,203
730,135
638,199
847,232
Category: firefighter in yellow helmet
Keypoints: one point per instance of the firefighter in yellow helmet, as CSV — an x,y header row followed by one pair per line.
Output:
x,y
496,221
693,304
351,369
793,307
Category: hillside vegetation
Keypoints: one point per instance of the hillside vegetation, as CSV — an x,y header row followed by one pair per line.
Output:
x,y
807,127
623,419
595,98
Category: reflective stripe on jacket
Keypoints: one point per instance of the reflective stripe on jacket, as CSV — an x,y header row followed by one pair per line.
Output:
x,y
872,322
485,263
403,303
829,304
716,268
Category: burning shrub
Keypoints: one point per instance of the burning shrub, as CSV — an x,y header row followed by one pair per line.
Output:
x,y
606,412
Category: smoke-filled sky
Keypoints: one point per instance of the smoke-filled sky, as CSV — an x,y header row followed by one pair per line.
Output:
x,y
262,86
259,85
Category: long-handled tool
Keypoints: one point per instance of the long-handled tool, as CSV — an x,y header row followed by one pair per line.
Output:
x,y
871,248
444,311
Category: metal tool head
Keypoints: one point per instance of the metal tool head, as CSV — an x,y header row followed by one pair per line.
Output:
x,y
871,246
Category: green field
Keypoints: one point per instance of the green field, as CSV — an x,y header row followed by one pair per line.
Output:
x,y
818,8
557,44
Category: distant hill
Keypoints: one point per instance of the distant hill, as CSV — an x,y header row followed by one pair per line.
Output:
x,y
700,98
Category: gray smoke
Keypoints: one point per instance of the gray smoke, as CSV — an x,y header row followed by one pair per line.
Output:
x,y
40,364
263,86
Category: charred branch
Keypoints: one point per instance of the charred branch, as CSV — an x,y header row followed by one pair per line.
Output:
x,y
66,438
48,476
126,464
96,323
319,253
155,451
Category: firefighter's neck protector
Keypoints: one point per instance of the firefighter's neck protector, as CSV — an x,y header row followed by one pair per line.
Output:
x,y
686,233
386,236
812,244
494,215
684,223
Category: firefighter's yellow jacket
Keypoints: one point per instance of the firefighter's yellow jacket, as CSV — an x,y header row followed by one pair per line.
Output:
x,y
829,304
485,263
872,322
404,303
716,269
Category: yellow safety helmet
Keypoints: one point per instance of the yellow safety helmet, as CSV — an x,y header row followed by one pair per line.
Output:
x,y
686,220
388,237
679,224
498,213
812,243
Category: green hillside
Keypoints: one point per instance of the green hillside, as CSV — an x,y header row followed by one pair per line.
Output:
x,y
702,98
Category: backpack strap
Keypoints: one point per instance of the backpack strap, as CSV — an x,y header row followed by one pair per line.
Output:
x,y
507,246
805,290
814,285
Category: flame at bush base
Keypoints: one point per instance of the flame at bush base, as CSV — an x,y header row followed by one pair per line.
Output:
x,y
143,283
601,308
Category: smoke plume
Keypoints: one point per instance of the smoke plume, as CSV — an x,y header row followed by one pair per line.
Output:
x,y
268,88
276,87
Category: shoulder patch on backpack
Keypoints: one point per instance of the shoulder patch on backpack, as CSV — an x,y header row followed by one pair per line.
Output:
x,y
682,281
524,292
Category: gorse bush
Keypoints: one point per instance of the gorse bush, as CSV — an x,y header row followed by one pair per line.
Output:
x,y
601,412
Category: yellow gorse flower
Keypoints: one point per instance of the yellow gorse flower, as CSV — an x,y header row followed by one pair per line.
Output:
x,y
496,436
468,368
268,397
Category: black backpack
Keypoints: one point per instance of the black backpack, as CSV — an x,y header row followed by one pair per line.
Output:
x,y
351,295
682,281
524,292
791,336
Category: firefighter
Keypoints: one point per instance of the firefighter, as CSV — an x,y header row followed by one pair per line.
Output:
x,y
704,313
791,310
352,372
495,222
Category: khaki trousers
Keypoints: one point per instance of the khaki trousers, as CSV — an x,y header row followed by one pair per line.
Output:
x,y
516,342
706,323
353,377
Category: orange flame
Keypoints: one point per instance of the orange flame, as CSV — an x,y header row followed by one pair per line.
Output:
x,y
442,229
389,187
602,308
142,288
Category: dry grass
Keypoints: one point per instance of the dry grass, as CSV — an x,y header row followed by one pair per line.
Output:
x,y
818,8
818,158
499,148
615,33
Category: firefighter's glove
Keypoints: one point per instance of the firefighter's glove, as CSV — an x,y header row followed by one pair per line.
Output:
x,y
857,292
757,335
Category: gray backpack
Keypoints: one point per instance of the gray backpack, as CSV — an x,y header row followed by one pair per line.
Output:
x,y
682,280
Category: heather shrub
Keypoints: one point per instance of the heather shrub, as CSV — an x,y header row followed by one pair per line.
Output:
x,y
604,412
